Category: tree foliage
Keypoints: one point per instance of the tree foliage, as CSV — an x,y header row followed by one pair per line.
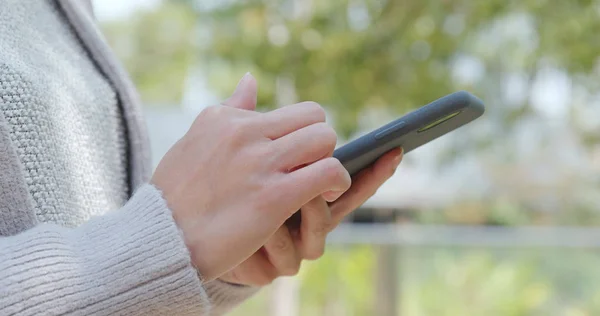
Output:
x,y
352,55
359,58
157,49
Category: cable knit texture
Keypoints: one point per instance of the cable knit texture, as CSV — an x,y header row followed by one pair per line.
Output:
x,y
72,146
51,127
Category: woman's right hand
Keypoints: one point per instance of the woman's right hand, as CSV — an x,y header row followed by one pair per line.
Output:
x,y
233,179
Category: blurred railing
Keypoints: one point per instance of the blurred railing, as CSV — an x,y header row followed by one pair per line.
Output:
x,y
390,239
487,236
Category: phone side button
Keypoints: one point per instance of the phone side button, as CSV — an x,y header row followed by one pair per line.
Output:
x,y
390,130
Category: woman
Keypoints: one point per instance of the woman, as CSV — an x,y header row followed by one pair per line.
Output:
x,y
86,230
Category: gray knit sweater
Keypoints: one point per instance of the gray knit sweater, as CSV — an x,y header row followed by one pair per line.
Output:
x,y
81,233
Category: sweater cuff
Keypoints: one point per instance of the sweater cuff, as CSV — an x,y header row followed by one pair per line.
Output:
x,y
226,296
157,272
129,262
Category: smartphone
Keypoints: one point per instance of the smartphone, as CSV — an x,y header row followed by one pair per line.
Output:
x,y
412,130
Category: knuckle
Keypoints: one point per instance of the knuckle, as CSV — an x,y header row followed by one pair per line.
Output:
x,y
327,134
335,171
321,230
212,111
331,166
313,207
315,109
291,269
271,154
330,137
315,254
281,245
208,115
322,219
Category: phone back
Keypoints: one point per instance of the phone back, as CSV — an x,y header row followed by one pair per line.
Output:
x,y
412,130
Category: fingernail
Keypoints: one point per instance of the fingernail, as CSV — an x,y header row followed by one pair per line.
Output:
x,y
331,196
242,83
398,158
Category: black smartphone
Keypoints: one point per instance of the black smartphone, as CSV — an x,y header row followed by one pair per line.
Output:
x,y
409,132
412,130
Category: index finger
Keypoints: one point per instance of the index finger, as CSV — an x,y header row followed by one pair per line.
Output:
x,y
315,179
285,120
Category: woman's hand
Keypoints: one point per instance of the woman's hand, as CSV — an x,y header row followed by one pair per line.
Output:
x,y
233,179
285,250
283,253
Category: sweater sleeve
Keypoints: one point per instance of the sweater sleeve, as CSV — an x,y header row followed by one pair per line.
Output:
x,y
225,296
132,261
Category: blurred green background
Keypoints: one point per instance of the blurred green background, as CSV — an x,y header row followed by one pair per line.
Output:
x,y
533,160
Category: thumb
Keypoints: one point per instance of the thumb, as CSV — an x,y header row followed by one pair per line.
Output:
x,y
244,96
